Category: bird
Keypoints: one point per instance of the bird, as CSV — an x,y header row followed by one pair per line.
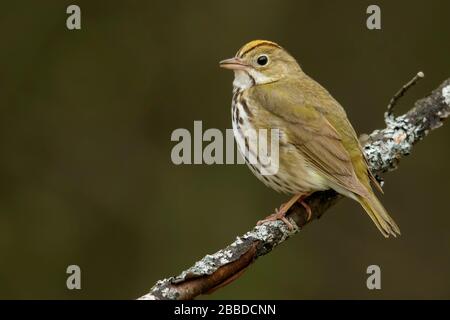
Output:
x,y
318,148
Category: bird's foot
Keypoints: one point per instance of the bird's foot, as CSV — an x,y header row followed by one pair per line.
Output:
x,y
280,214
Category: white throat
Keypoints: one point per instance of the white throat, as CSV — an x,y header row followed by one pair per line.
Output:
x,y
244,80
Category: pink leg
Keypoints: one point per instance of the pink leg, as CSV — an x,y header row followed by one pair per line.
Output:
x,y
280,214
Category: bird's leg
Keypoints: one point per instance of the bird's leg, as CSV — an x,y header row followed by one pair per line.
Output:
x,y
280,214
306,206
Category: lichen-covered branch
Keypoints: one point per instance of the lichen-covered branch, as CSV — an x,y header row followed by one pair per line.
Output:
x,y
383,149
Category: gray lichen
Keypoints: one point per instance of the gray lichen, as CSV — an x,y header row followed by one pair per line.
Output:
x,y
270,234
162,290
387,146
446,94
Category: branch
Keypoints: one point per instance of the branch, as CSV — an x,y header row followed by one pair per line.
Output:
x,y
400,93
383,149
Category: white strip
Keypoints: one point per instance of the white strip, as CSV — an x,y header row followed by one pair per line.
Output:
x,y
446,94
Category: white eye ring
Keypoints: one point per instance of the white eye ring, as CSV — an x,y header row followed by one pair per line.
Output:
x,y
262,60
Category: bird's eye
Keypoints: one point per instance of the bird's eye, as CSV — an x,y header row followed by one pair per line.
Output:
x,y
262,60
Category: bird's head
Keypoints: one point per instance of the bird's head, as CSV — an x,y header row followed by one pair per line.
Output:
x,y
260,62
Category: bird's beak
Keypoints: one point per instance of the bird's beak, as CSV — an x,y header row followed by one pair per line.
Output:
x,y
233,64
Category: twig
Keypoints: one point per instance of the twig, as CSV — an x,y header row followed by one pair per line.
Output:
x,y
383,150
388,114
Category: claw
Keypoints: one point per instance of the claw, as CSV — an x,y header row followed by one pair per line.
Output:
x,y
279,214
308,210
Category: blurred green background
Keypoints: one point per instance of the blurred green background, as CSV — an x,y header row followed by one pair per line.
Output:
x,y
85,171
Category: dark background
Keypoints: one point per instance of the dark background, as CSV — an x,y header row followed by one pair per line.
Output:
x,y
85,171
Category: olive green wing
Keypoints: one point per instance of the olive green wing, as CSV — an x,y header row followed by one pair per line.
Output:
x,y
305,119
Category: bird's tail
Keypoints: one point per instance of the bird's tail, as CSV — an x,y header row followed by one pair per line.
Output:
x,y
379,216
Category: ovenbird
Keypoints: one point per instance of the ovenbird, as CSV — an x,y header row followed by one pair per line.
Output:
x,y
318,147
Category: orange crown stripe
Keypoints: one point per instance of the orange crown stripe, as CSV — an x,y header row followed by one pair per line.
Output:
x,y
254,44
